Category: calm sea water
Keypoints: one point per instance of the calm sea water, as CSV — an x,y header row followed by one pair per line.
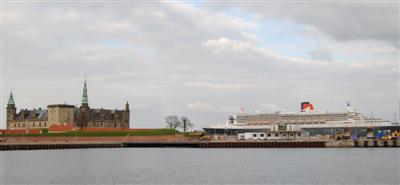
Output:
x,y
202,166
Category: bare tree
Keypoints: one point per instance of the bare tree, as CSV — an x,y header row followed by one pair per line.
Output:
x,y
173,122
186,123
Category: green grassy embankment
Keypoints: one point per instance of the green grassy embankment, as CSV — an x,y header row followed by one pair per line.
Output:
x,y
155,132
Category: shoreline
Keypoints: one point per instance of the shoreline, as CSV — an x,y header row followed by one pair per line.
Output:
x,y
202,144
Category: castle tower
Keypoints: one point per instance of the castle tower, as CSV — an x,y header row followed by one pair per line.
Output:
x,y
84,109
126,116
85,100
11,109
127,107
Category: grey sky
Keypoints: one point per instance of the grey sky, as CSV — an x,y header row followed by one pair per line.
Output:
x,y
202,60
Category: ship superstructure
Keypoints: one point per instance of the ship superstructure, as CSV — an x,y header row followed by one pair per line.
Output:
x,y
307,119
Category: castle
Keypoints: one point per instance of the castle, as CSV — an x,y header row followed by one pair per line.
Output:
x,y
82,117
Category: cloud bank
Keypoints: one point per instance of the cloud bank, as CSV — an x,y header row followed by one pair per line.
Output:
x,y
202,61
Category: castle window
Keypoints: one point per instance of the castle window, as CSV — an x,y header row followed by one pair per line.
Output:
x,y
34,124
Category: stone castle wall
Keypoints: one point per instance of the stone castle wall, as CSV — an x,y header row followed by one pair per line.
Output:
x,y
68,114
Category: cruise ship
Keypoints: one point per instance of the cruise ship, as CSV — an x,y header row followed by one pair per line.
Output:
x,y
308,120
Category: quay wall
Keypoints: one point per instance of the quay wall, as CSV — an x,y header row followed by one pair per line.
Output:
x,y
91,139
197,144
363,143
276,144
57,146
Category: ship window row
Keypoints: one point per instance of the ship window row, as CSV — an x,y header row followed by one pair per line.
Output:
x,y
329,116
299,118
290,120
281,122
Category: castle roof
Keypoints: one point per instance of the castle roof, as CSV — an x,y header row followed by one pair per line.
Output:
x,y
61,106
101,113
32,114
11,99
41,113
85,99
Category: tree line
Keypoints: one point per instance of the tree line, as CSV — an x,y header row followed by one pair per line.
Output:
x,y
174,122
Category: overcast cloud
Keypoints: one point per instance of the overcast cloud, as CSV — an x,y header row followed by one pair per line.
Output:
x,y
203,60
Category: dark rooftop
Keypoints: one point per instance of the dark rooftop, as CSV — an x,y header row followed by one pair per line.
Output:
x,y
61,105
